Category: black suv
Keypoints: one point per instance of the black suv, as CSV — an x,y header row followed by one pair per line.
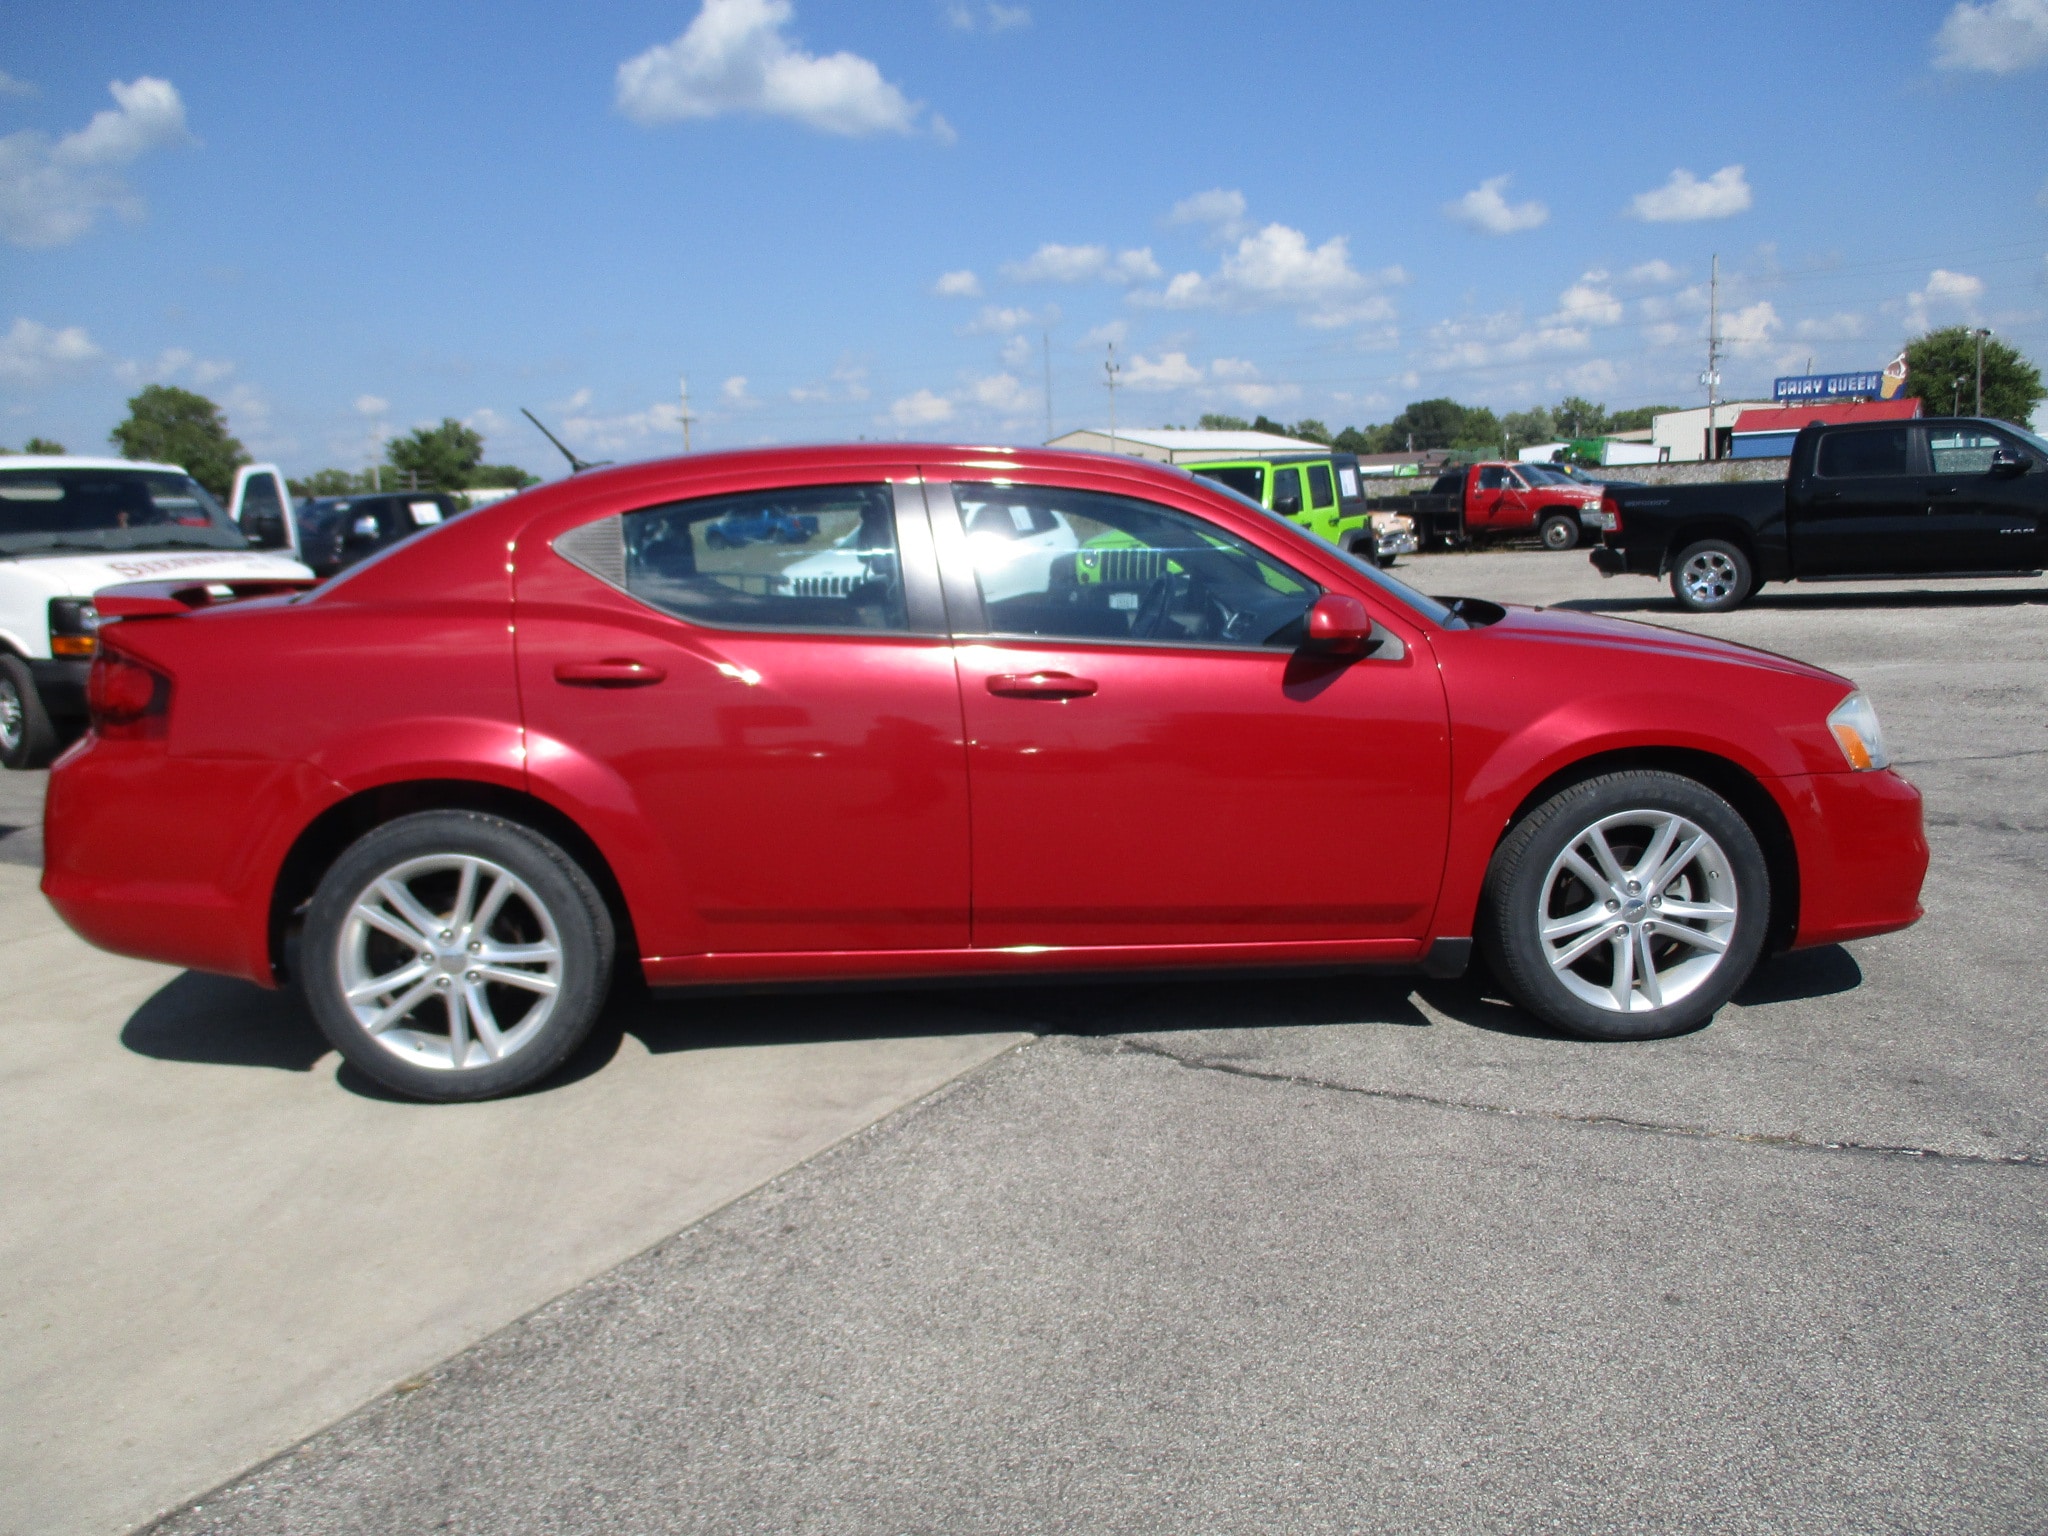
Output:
x,y
337,531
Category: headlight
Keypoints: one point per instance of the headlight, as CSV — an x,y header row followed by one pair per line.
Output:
x,y
74,627
1858,734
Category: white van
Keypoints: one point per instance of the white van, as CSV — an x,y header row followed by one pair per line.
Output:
x,y
70,526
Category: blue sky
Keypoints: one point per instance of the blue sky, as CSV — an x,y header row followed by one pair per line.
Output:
x,y
844,220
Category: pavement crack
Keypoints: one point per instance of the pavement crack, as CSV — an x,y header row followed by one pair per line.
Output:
x,y
1791,1141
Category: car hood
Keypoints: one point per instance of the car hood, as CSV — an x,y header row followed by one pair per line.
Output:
x,y
74,575
1570,627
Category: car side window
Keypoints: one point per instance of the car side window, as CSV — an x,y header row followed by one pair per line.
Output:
x,y
1860,455
1116,568
1247,480
1287,491
1963,450
1492,478
811,557
1321,489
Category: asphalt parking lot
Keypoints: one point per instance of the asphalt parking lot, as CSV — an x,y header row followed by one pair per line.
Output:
x,y
1301,1256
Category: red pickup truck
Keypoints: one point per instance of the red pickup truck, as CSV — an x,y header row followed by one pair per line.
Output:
x,y
1482,502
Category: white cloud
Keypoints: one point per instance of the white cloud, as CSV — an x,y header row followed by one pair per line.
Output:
x,y
31,354
1171,370
1002,319
990,17
1589,301
1109,332
1260,397
624,432
171,363
1947,293
1685,197
1376,307
1277,267
848,382
734,392
1221,211
2000,38
1652,274
9,86
735,57
1485,209
1229,368
1843,327
51,194
957,285
372,405
483,419
1751,328
1017,351
1487,341
1003,393
1053,263
922,409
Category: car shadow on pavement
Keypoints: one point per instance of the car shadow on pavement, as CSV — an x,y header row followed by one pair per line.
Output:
x,y
218,1021
1839,598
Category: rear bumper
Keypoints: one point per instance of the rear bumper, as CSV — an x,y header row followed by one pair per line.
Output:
x,y
1862,854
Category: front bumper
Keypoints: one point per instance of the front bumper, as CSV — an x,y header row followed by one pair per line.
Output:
x,y
1399,542
61,685
1862,854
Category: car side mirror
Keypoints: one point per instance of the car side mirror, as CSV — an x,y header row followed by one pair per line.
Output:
x,y
1288,506
1338,625
364,527
2005,463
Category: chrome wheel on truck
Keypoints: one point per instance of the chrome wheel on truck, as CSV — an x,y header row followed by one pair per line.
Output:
x,y
27,739
1629,906
453,955
1711,577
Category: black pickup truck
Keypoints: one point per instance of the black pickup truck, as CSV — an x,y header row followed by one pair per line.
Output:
x,y
1948,497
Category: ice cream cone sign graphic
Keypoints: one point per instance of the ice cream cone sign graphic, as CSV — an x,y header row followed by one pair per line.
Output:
x,y
1894,378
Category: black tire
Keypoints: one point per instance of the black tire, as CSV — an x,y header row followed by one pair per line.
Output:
x,y
549,905
1527,884
27,738
1559,533
1712,576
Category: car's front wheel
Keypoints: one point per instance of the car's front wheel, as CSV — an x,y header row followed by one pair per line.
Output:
x,y
1626,907
1712,576
27,738
456,955
1560,533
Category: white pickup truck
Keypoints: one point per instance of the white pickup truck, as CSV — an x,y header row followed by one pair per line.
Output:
x,y
70,526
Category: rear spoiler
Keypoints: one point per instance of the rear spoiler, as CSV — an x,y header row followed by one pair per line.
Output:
x,y
167,599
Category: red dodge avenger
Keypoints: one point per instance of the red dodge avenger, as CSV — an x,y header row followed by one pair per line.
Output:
x,y
827,714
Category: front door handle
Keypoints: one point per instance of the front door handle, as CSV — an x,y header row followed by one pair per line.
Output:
x,y
612,672
1040,685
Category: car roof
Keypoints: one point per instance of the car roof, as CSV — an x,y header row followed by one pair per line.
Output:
x,y
81,461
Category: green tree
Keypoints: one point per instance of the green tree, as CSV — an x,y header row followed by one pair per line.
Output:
x,y
1535,425
41,445
1580,418
1262,423
329,482
1935,361
1637,418
1351,440
176,426
1213,422
1308,427
450,458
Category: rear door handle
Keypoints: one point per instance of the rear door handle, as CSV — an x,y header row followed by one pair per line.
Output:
x,y
612,672
1040,685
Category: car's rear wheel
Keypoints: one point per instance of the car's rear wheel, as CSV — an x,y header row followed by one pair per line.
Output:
x,y
1630,906
456,955
1560,532
1712,576
27,738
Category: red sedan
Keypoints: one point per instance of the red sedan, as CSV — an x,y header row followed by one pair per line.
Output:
x,y
882,711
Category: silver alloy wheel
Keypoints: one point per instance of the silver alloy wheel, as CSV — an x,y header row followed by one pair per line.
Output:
x,y
13,716
1637,911
1709,577
1559,534
450,961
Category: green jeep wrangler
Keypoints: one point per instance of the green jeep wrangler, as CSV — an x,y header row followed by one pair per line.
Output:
x,y
1305,489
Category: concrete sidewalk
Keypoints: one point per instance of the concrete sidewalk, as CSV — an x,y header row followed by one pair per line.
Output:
x,y
214,1244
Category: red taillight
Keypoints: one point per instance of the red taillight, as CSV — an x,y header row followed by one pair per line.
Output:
x,y
126,698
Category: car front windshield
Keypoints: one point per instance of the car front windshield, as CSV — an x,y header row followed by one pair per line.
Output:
x,y
1543,474
110,510
2033,440
1400,591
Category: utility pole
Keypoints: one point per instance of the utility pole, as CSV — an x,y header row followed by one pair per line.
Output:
x,y
1955,404
1046,338
1980,333
687,417
1110,368
1712,377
